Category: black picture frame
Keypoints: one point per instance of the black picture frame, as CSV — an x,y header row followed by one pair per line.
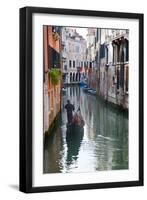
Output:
x,y
26,91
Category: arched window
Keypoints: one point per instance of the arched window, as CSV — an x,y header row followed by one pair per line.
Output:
x,y
79,77
70,77
106,52
76,77
73,77
118,53
122,55
126,50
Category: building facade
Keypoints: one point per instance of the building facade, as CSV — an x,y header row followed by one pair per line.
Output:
x,y
91,58
108,64
51,61
113,66
73,56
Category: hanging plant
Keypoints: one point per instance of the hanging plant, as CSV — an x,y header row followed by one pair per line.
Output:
x,y
54,75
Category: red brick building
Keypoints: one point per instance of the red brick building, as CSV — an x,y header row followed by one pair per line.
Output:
x,y
51,61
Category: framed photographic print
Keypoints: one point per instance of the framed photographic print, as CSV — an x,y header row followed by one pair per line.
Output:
x,y
81,99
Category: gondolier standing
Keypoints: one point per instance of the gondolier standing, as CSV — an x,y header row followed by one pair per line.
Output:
x,y
69,108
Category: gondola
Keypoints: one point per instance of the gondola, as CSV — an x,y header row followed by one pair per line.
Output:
x,y
74,128
77,124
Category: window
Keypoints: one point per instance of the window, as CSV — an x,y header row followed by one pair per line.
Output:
x,y
97,34
113,79
74,63
70,63
73,77
81,64
79,76
122,76
77,49
95,40
53,58
70,77
90,64
126,51
102,51
122,55
65,67
76,76
118,53
106,55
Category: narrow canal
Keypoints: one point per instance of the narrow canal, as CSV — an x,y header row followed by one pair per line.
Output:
x,y
102,146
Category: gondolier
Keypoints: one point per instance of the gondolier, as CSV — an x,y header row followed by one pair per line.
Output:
x,y
69,108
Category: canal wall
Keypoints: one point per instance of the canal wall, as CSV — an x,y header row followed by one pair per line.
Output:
x,y
116,103
52,125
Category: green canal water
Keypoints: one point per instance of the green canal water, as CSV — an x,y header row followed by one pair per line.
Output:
x,y
103,145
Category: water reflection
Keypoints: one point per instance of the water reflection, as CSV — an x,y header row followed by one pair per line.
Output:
x,y
103,144
73,141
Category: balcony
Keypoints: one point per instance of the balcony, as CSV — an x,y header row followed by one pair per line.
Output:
x,y
54,58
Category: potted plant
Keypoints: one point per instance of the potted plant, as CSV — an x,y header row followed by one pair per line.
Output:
x,y
54,75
